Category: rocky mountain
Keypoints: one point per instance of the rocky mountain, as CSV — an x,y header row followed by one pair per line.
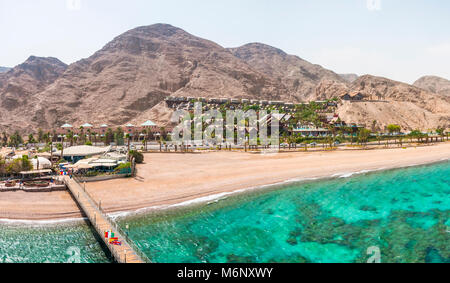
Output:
x,y
4,69
388,102
299,76
20,85
129,78
434,84
349,77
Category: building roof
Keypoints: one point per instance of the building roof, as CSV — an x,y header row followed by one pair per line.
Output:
x,y
87,125
104,126
129,125
148,124
46,171
66,126
84,150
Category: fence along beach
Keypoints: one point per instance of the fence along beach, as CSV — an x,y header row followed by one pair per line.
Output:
x,y
127,252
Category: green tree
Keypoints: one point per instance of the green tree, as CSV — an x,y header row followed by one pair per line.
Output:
x,y
138,157
40,135
363,136
15,140
3,170
118,136
31,139
441,133
109,137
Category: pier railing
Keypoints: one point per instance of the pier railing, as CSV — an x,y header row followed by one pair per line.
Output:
x,y
120,231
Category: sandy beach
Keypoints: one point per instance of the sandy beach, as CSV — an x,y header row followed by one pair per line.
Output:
x,y
169,179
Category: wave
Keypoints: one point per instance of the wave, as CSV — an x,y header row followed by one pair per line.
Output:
x,y
210,199
42,222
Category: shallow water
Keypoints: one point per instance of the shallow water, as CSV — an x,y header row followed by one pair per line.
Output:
x,y
50,244
405,213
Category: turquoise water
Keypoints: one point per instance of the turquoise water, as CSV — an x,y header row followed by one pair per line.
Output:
x,y
405,213
49,244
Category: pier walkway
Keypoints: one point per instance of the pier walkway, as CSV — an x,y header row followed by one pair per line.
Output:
x,y
128,252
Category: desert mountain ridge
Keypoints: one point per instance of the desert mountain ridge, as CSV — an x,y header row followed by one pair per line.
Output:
x,y
128,79
434,84
4,69
299,76
349,77
387,101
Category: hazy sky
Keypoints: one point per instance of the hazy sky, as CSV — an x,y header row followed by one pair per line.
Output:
x,y
399,39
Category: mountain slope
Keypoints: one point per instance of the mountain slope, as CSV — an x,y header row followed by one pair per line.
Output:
x,y
19,86
132,74
129,78
299,76
434,84
349,77
389,102
4,69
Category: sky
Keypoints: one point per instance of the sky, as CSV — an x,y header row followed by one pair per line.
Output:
x,y
399,39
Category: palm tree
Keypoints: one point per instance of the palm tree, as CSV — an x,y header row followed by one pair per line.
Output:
x,y
82,135
161,141
128,137
394,129
4,139
40,135
95,137
62,146
89,134
50,138
70,136
374,125
144,142
441,133
363,136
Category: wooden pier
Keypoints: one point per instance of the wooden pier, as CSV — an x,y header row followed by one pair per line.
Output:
x,y
128,252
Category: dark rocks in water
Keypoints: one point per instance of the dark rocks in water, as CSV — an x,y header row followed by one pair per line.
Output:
x,y
295,233
293,259
433,256
232,258
368,208
206,246
410,244
336,222
292,241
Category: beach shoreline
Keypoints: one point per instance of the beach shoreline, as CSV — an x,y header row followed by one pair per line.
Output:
x,y
168,181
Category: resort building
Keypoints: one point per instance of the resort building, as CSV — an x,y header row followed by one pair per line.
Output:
x,y
149,125
102,130
130,128
76,153
311,131
356,97
87,126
